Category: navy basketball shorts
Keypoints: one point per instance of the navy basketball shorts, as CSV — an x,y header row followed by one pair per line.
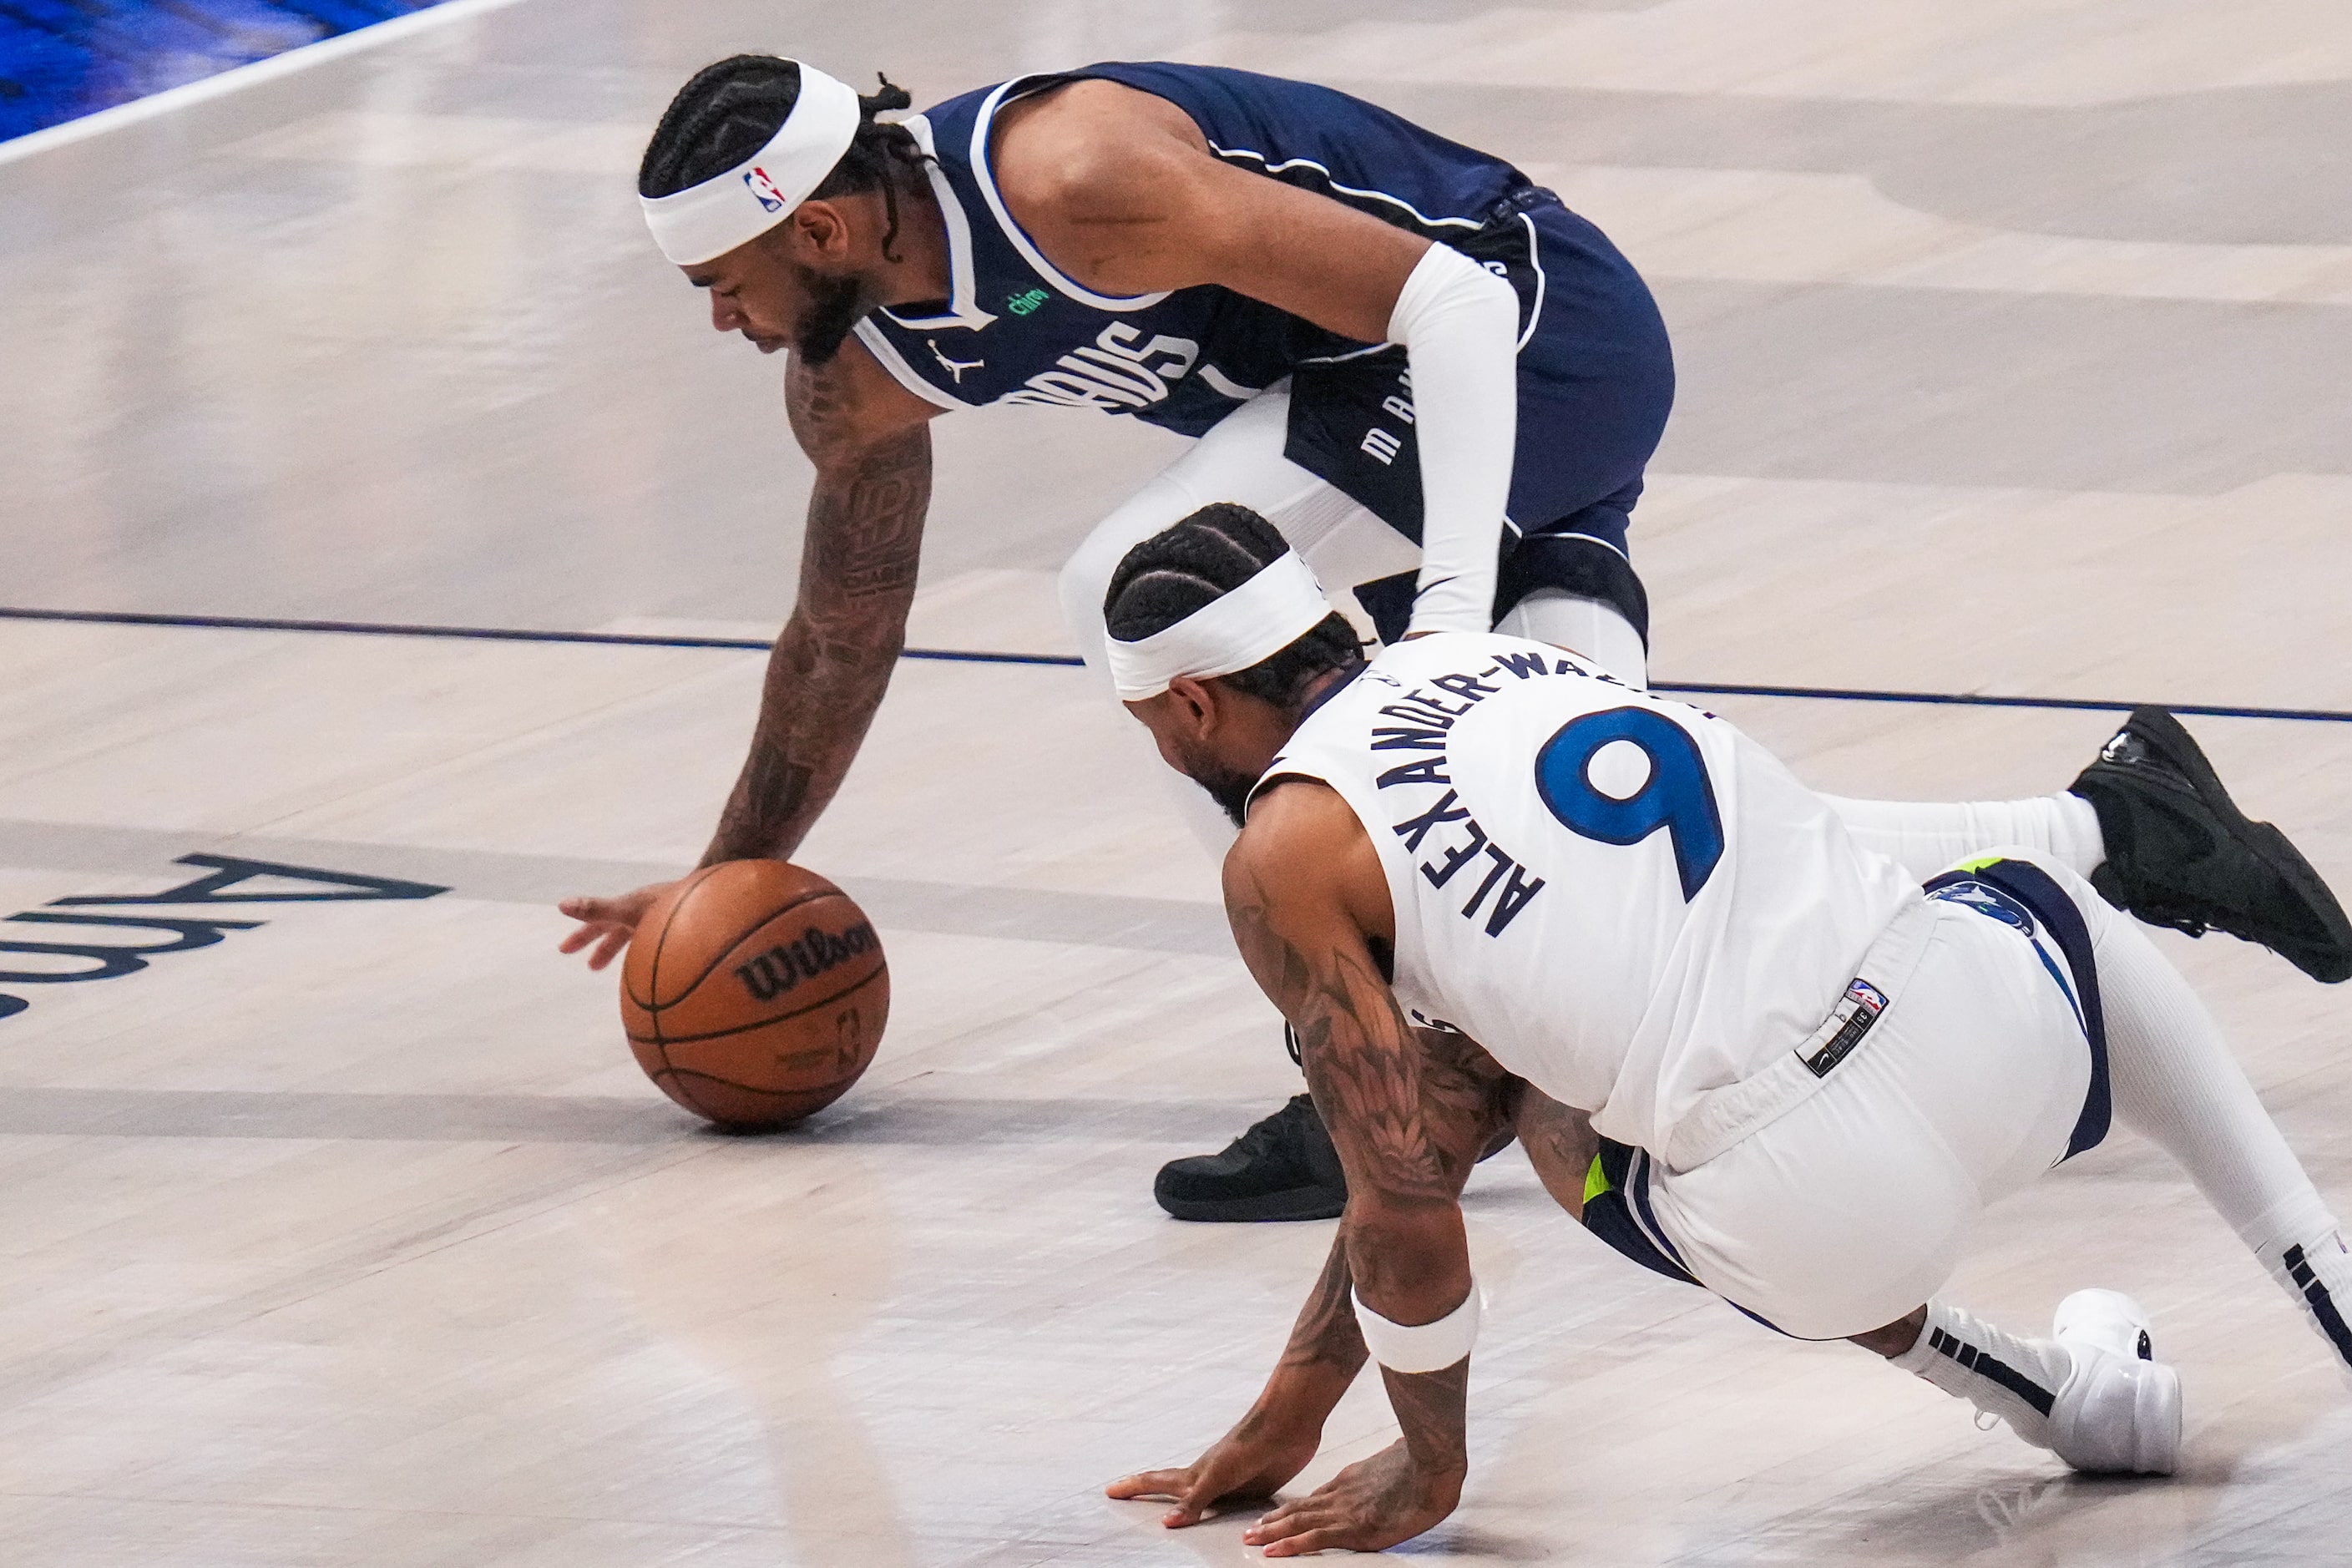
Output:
x,y
1329,459
1596,383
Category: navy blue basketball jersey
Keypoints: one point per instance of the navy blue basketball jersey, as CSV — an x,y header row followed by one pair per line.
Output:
x,y
1015,330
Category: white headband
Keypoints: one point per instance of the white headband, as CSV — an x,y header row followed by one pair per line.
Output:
x,y
1265,615
710,220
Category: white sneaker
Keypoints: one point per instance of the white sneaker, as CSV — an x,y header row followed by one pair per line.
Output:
x,y
2119,1409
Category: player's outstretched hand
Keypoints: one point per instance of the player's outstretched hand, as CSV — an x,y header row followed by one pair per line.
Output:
x,y
1240,1465
607,924
1368,1506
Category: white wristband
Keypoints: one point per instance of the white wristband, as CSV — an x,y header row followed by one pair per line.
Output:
x,y
1425,1347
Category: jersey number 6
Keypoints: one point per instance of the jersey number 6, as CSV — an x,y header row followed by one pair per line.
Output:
x,y
1676,795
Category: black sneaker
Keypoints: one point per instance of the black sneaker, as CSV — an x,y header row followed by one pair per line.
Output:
x,y
1283,1168
2180,854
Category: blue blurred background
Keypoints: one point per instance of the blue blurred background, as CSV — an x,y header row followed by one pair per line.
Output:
x,y
63,58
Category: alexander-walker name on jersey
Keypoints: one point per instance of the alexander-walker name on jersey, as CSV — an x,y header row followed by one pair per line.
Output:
x,y
1454,838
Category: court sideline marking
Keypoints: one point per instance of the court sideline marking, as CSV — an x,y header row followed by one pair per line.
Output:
x,y
237,77
974,656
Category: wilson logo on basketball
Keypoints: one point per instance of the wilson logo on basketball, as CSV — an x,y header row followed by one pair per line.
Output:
x,y
779,969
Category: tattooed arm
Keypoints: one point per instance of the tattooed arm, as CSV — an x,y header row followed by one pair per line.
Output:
x,y
1281,1432
868,438
1561,1145
1409,1112
833,661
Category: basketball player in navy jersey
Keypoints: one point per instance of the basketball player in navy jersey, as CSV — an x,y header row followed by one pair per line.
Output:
x,y
1492,887
1440,384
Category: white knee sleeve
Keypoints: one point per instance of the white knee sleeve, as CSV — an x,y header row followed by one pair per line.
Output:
x,y
1586,627
1240,460
1086,576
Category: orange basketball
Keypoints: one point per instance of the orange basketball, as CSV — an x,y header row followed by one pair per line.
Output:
x,y
754,993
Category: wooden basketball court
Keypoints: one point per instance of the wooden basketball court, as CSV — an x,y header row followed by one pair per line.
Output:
x,y
343,1230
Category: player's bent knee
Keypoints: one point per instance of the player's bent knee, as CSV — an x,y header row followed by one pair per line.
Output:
x,y
2095,910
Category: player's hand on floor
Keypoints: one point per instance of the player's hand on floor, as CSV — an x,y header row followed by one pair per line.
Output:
x,y
607,924
1236,1467
1370,1505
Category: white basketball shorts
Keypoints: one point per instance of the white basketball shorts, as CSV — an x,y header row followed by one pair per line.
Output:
x,y
1847,1210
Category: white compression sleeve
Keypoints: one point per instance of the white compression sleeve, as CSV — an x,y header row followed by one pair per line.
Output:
x,y
1459,324
1927,836
2176,1083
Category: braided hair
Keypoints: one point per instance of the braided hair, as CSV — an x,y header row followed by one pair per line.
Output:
x,y
732,109
1202,558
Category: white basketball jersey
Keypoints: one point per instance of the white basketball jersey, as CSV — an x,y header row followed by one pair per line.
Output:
x,y
1623,899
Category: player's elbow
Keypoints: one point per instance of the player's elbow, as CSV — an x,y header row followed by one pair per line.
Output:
x,y
835,642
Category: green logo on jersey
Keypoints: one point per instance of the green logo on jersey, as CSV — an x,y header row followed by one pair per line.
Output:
x,y
1022,304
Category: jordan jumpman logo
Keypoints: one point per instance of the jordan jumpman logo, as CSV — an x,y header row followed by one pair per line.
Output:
x,y
953,367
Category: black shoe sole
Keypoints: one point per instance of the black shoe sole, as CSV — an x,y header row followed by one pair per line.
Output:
x,y
2164,735
1298,1203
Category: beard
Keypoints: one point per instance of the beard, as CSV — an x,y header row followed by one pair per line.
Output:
x,y
836,307
1229,789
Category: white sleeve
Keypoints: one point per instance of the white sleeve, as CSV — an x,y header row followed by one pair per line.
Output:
x,y
1459,324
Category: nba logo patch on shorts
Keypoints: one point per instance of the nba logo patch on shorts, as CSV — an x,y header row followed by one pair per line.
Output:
x,y
1851,1019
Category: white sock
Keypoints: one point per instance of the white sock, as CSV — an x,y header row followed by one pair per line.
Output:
x,y
1927,836
1999,1373
2176,1083
2319,1274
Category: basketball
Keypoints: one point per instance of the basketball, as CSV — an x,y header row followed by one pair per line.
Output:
x,y
754,993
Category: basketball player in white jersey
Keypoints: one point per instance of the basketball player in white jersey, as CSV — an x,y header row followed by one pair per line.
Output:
x,y
1490,886
1438,381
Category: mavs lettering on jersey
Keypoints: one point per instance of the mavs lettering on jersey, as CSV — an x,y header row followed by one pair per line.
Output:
x,y
1118,372
1595,373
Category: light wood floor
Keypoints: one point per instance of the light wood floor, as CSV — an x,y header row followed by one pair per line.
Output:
x,y
2012,361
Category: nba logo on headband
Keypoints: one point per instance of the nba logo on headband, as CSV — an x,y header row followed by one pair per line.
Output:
x,y
771,199
705,221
